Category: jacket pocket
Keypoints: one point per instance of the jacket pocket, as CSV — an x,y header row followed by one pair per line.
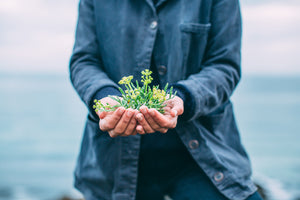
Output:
x,y
194,37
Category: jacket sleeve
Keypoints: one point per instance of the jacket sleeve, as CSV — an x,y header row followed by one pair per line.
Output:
x,y
86,71
220,74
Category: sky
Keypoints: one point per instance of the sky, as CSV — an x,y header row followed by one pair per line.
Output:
x,y
38,36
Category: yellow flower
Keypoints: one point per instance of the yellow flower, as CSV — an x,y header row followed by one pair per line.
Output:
x,y
133,96
147,72
146,78
126,80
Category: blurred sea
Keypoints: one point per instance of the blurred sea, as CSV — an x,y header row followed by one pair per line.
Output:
x,y
42,119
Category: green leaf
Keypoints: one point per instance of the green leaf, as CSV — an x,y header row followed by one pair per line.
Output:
x,y
116,99
132,85
127,88
166,87
122,91
171,91
174,94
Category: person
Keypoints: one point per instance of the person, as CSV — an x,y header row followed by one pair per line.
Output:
x,y
192,151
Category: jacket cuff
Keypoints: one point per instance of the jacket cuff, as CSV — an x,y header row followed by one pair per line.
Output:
x,y
103,92
188,101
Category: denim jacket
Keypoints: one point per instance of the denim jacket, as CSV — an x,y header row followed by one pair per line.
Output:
x,y
199,49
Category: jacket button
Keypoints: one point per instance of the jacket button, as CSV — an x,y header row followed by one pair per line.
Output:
x,y
162,70
193,144
153,25
218,176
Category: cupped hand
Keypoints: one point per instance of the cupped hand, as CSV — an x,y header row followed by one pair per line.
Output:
x,y
120,122
150,120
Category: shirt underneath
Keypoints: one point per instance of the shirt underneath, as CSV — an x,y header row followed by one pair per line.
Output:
x,y
162,154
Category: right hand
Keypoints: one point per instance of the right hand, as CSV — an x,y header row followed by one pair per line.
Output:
x,y
150,120
120,122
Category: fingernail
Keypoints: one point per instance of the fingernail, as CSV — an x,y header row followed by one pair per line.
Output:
x,y
121,110
129,113
151,112
139,117
142,109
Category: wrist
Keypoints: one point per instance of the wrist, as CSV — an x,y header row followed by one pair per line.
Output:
x,y
187,99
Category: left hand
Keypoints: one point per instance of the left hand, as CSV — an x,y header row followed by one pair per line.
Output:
x,y
150,120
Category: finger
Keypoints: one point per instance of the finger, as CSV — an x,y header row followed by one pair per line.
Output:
x,y
177,110
176,105
139,129
110,120
130,129
145,126
134,132
174,113
101,114
152,123
124,122
112,134
162,120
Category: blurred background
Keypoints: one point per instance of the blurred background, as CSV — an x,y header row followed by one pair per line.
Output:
x,y
42,118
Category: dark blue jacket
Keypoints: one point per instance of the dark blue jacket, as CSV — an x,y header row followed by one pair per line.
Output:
x,y
199,47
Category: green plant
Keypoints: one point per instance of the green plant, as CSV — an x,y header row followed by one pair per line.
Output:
x,y
135,96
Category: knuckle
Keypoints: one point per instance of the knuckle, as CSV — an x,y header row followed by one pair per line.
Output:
x,y
116,117
147,116
132,122
126,120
